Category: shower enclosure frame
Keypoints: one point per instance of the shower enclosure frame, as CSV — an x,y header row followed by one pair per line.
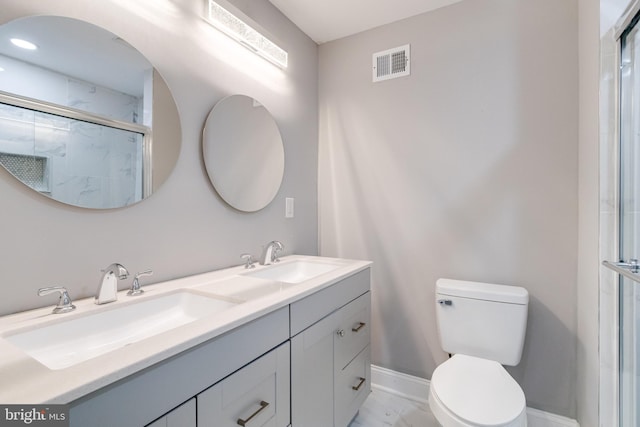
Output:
x,y
620,221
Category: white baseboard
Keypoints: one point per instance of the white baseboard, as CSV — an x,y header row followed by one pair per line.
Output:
x,y
417,389
538,418
407,386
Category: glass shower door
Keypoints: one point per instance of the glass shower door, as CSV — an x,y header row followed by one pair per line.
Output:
x,y
629,237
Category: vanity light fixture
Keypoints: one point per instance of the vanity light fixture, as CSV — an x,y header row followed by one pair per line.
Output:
x,y
24,44
244,34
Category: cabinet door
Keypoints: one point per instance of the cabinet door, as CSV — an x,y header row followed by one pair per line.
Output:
x,y
330,367
182,416
312,374
257,395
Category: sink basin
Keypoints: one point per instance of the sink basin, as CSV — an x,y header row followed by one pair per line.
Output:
x,y
66,343
294,271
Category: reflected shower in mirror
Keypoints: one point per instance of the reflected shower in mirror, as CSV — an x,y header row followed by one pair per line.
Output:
x,y
84,117
243,153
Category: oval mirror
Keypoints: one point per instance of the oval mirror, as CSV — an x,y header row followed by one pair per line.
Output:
x,y
243,153
84,117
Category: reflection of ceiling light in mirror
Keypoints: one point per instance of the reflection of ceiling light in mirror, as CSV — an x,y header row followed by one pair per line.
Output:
x,y
24,44
237,29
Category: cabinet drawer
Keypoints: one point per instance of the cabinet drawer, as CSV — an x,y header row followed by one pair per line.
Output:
x,y
311,309
255,396
352,386
353,334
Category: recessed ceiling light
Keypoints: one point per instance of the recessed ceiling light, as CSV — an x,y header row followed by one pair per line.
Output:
x,y
24,44
1,69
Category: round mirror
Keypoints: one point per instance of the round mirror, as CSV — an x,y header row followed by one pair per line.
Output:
x,y
84,117
243,153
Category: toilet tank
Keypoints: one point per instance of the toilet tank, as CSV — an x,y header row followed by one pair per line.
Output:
x,y
482,319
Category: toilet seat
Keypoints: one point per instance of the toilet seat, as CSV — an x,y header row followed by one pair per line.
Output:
x,y
468,391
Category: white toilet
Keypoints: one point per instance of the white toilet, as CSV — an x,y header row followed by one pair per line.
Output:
x,y
483,326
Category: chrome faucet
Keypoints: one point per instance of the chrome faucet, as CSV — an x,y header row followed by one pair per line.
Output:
x,y
270,252
108,287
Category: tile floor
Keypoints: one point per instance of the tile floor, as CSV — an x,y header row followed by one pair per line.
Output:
x,y
383,409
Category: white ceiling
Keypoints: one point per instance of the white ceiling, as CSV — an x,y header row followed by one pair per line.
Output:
x,y
327,20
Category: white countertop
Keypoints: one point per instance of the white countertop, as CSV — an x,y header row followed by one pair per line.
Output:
x,y
25,380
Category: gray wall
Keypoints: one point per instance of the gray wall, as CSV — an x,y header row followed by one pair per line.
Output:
x,y
466,169
587,384
184,228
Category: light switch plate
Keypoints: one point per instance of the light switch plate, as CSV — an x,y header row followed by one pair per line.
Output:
x,y
288,207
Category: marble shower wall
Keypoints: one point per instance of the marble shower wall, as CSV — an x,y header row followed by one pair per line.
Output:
x,y
84,164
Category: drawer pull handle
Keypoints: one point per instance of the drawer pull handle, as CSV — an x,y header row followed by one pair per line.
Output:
x,y
360,326
341,333
357,387
263,405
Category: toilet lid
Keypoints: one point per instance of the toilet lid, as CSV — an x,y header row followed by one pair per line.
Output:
x,y
479,391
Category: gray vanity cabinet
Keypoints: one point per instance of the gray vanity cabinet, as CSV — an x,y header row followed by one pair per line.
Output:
x,y
330,359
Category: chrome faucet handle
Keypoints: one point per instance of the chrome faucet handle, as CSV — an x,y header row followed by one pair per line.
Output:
x,y
64,302
136,288
277,247
248,261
